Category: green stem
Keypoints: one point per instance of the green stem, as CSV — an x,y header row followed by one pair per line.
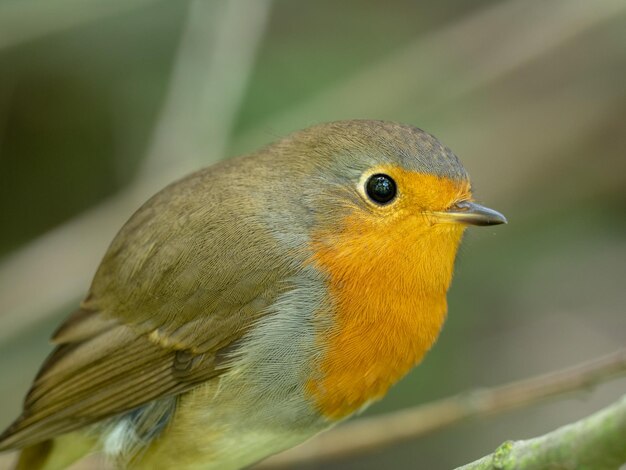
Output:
x,y
597,442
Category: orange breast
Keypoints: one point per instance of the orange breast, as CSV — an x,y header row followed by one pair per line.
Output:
x,y
388,278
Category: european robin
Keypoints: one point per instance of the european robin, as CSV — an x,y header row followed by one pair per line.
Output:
x,y
255,303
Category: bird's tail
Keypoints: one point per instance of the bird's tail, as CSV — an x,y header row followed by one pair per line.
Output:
x,y
55,454
35,457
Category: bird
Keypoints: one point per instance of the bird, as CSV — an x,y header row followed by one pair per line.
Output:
x,y
256,303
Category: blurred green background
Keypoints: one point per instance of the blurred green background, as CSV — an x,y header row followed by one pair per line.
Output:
x,y
102,103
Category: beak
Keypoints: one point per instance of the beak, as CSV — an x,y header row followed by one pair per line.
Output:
x,y
470,213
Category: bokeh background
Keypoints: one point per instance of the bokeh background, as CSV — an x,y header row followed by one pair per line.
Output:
x,y
102,103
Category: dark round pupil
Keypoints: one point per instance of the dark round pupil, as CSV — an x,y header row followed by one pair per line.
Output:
x,y
381,188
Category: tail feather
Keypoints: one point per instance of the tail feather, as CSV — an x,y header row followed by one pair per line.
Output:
x,y
55,454
35,457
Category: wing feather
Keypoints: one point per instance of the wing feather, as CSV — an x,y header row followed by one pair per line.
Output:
x,y
182,280
122,372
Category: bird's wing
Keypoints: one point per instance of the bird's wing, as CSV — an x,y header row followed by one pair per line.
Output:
x,y
171,297
113,372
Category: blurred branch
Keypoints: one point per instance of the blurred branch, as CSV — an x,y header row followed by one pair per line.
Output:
x,y
25,20
412,75
465,56
598,442
207,87
370,434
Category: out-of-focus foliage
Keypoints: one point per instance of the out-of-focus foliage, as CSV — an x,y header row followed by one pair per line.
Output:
x,y
530,95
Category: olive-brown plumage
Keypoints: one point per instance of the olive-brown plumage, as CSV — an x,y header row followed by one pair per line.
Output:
x,y
238,311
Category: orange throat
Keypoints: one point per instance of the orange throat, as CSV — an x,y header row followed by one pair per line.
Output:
x,y
389,304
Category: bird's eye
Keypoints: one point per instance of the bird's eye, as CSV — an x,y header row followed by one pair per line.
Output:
x,y
381,188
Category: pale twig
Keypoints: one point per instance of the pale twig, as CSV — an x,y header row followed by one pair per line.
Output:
x,y
465,56
597,442
207,85
25,20
371,434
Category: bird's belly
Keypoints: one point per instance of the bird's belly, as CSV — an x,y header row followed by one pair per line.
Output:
x,y
226,451
228,425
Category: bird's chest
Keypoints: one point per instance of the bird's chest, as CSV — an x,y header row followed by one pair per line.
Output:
x,y
388,307
369,351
